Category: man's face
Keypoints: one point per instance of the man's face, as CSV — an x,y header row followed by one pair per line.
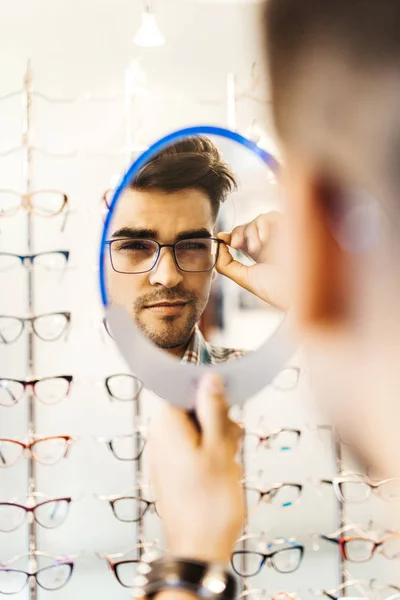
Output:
x,y
165,303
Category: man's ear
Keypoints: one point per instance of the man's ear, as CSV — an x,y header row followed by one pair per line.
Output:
x,y
214,274
319,268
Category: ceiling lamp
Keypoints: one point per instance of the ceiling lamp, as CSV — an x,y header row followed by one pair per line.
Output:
x,y
149,35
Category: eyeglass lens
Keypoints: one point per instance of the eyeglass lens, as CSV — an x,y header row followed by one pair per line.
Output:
x,y
359,550
140,256
50,578
54,577
50,451
49,514
281,441
10,452
126,572
284,496
48,328
45,203
358,491
286,560
123,387
127,447
46,260
130,509
49,390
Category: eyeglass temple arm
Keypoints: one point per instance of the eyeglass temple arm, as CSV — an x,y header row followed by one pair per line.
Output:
x,y
330,539
66,215
3,460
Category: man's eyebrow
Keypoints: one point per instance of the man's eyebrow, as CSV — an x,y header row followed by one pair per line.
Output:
x,y
132,233
193,233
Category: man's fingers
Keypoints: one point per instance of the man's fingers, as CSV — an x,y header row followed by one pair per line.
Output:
x,y
235,433
212,409
238,238
253,242
225,237
172,423
231,268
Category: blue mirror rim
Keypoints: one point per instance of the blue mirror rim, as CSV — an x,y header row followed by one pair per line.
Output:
x,y
148,154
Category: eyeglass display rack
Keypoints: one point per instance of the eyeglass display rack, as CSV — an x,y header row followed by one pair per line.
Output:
x,y
276,410
26,94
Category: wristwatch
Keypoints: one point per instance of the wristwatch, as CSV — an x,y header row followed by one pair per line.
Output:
x,y
208,581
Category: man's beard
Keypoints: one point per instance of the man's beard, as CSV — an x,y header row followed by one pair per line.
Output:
x,y
170,334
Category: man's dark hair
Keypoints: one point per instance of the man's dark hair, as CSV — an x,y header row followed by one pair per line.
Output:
x,y
191,163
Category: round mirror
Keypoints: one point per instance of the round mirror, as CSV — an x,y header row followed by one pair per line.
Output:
x,y
191,271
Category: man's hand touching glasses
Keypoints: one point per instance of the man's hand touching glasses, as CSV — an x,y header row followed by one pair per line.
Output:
x,y
261,241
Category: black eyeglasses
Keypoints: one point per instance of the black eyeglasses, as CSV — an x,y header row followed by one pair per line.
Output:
x,y
123,387
285,560
47,260
130,509
48,327
136,256
127,447
49,390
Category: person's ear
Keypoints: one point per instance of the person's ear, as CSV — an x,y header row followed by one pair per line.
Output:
x,y
319,268
214,274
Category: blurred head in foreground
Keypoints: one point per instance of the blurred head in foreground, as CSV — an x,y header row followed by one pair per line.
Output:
x,y
335,73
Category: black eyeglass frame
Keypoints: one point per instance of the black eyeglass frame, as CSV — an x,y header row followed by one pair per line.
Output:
x,y
110,378
267,557
160,246
139,438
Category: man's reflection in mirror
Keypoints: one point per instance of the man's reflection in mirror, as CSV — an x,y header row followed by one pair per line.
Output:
x,y
163,249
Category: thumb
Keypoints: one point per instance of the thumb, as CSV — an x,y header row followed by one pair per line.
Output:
x,y
212,408
231,268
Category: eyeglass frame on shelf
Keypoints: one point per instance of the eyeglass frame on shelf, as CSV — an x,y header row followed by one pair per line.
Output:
x,y
30,258
32,320
268,558
375,546
29,445
356,478
32,384
113,565
26,202
272,491
31,510
149,505
262,438
109,442
110,377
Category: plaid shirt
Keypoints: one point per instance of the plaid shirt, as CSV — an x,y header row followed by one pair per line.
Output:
x,y
200,352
